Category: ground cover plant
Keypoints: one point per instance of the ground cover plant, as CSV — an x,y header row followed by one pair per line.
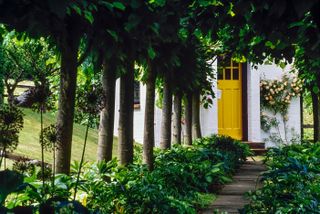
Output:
x,y
174,186
292,183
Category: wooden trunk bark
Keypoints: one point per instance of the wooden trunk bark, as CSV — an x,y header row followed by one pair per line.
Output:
x,y
165,140
196,126
68,80
10,93
316,116
1,90
177,118
148,137
106,127
126,114
188,119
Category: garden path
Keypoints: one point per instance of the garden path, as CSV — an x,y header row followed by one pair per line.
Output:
x,y
232,196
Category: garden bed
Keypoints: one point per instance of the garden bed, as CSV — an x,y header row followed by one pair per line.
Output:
x,y
178,184
292,183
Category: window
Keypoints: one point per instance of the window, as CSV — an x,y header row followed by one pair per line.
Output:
x,y
228,69
136,94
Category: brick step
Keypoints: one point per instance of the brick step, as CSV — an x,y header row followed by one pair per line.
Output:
x,y
259,152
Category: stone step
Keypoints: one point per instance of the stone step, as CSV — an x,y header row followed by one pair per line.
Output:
x,y
227,203
232,197
252,167
259,152
238,187
256,145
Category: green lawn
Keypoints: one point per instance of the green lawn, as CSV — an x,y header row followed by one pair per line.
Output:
x,y
29,138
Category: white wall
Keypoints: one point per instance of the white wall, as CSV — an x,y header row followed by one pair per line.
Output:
x,y
209,117
274,72
254,130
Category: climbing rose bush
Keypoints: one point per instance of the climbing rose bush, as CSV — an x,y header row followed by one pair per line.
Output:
x,y
276,95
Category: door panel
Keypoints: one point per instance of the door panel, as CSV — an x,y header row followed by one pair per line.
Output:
x,y
230,102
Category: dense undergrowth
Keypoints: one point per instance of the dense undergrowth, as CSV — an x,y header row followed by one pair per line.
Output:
x,y
292,183
174,186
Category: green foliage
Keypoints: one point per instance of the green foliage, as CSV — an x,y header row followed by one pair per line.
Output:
x,y
292,183
50,138
11,122
180,175
9,182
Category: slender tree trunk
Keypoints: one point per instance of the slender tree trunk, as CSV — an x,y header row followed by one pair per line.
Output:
x,y
316,116
10,93
196,126
1,90
68,79
165,141
188,118
106,127
177,118
126,114
148,137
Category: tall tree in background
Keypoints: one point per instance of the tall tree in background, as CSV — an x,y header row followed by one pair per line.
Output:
x,y
63,22
177,117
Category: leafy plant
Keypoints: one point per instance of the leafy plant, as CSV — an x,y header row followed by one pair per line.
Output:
x,y
292,184
11,122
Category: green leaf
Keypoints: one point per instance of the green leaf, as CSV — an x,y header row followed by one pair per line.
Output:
x,y
151,53
113,34
209,179
119,5
215,170
88,15
316,89
77,9
9,182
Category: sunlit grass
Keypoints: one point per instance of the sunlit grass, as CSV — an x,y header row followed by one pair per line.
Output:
x,y
29,138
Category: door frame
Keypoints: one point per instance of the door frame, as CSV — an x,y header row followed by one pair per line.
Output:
x,y
244,67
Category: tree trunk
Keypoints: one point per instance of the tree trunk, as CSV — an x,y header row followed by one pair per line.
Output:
x,y
188,119
1,90
196,126
10,93
68,81
126,114
165,141
148,137
177,118
316,116
106,127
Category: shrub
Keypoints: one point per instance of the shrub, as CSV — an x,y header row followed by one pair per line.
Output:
x,y
292,185
173,187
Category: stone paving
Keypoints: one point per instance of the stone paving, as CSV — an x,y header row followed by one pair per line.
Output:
x,y
231,197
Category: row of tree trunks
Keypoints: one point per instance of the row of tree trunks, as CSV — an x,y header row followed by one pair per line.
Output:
x,y
316,116
148,137
1,89
68,80
188,119
177,109
196,129
106,127
125,129
165,141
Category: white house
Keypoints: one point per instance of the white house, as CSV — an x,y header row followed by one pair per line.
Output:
x,y
236,109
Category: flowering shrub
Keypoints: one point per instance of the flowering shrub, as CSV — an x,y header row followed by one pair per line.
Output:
x,y
276,95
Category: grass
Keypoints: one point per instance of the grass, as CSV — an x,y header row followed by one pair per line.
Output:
x,y
29,138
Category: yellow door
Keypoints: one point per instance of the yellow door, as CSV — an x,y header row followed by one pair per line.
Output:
x,y
230,100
